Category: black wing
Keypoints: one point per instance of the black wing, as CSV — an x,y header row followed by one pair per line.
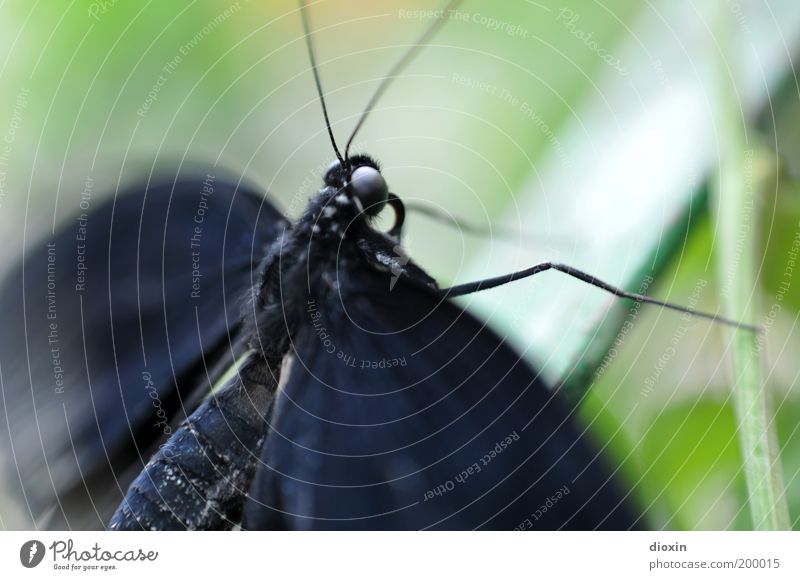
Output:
x,y
109,325
402,411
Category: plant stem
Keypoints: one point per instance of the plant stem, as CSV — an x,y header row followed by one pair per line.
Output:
x,y
735,193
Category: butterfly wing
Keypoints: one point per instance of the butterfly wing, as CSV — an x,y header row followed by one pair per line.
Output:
x,y
402,411
110,325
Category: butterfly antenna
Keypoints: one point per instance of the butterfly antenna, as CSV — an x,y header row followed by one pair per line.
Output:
x,y
470,287
313,58
409,55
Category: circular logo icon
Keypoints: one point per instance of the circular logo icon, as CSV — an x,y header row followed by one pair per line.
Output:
x,y
31,553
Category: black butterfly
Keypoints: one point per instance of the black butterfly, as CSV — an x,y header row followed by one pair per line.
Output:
x,y
363,397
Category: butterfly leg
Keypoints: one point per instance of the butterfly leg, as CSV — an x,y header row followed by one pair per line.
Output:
x,y
199,477
478,285
510,235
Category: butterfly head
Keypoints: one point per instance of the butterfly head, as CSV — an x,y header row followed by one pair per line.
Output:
x,y
362,181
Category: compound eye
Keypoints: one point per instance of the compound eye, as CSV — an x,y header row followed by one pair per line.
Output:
x,y
368,185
